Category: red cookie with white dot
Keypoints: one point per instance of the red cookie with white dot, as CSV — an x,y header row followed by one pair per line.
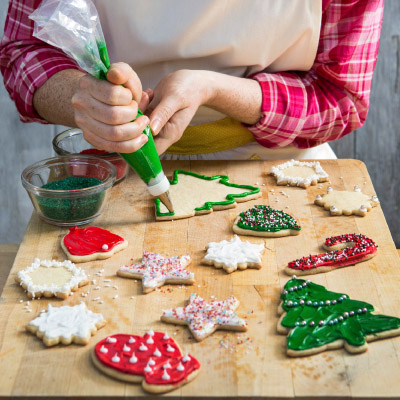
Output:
x,y
91,243
343,250
153,359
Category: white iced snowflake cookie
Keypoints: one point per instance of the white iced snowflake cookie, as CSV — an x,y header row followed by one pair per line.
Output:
x,y
50,278
234,254
347,202
299,173
66,325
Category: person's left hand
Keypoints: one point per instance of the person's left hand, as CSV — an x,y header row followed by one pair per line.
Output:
x,y
176,99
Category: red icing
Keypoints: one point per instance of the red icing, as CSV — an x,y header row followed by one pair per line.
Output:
x,y
154,376
82,242
362,247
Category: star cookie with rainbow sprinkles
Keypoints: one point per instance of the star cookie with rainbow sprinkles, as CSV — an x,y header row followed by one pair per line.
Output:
x,y
203,317
156,270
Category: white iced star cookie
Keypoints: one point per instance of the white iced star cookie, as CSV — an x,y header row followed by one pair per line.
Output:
x,y
203,317
299,173
347,202
156,270
234,254
66,325
51,278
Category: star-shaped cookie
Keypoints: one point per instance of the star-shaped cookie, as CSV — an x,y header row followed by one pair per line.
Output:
x,y
203,317
234,254
156,270
347,202
193,194
299,173
66,325
51,278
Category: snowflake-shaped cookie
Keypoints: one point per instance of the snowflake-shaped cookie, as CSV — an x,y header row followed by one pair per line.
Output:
x,y
234,254
156,270
203,317
193,194
51,278
299,173
347,202
66,325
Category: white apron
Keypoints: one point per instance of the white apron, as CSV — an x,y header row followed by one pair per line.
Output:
x,y
235,37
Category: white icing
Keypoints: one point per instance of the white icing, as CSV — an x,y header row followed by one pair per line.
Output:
x,y
363,209
167,365
329,189
186,358
111,340
142,347
150,340
131,340
103,350
150,332
78,275
180,367
157,353
375,198
147,368
318,197
104,247
67,321
357,189
170,349
277,171
151,362
133,359
126,348
166,337
165,376
115,359
333,209
234,252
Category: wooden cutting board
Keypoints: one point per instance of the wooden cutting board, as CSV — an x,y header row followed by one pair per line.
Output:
x,y
233,365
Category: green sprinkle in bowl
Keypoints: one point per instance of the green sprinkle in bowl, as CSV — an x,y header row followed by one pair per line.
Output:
x,y
69,190
72,142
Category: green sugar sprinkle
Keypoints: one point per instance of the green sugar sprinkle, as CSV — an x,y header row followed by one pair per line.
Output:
x,y
71,209
265,218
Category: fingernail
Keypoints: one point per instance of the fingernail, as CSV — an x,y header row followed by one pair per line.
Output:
x,y
143,140
155,126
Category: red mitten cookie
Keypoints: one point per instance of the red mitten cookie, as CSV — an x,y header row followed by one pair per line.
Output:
x,y
153,359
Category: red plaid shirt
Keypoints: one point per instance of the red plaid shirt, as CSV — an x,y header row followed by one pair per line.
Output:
x,y
302,109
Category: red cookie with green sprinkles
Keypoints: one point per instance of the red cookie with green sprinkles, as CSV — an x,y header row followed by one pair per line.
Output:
x,y
265,221
343,250
91,243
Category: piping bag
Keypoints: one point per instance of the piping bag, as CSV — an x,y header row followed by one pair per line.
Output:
x,y
74,27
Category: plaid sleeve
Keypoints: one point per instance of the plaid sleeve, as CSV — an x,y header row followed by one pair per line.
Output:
x,y
332,99
26,62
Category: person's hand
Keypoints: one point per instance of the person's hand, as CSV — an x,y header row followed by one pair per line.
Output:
x,y
104,110
176,99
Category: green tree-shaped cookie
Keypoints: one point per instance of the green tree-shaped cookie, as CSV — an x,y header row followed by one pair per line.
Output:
x,y
317,320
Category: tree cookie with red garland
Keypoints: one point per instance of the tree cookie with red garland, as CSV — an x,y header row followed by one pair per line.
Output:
x,y
193,194
346,202
299,173
264,221
154,359
343,250
91,243
156,270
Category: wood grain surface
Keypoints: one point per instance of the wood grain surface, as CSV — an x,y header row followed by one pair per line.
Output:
x,y
252,364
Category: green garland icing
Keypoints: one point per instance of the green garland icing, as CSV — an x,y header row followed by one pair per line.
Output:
x,y
230,198
266,219
317,317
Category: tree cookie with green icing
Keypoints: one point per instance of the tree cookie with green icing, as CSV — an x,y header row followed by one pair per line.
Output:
x,y
193,194
316,320
264,221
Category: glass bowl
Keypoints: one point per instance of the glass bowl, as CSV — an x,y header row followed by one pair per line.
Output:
x,y
72,142
69,206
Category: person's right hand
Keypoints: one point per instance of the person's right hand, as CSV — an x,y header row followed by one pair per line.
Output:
x,y
104,110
